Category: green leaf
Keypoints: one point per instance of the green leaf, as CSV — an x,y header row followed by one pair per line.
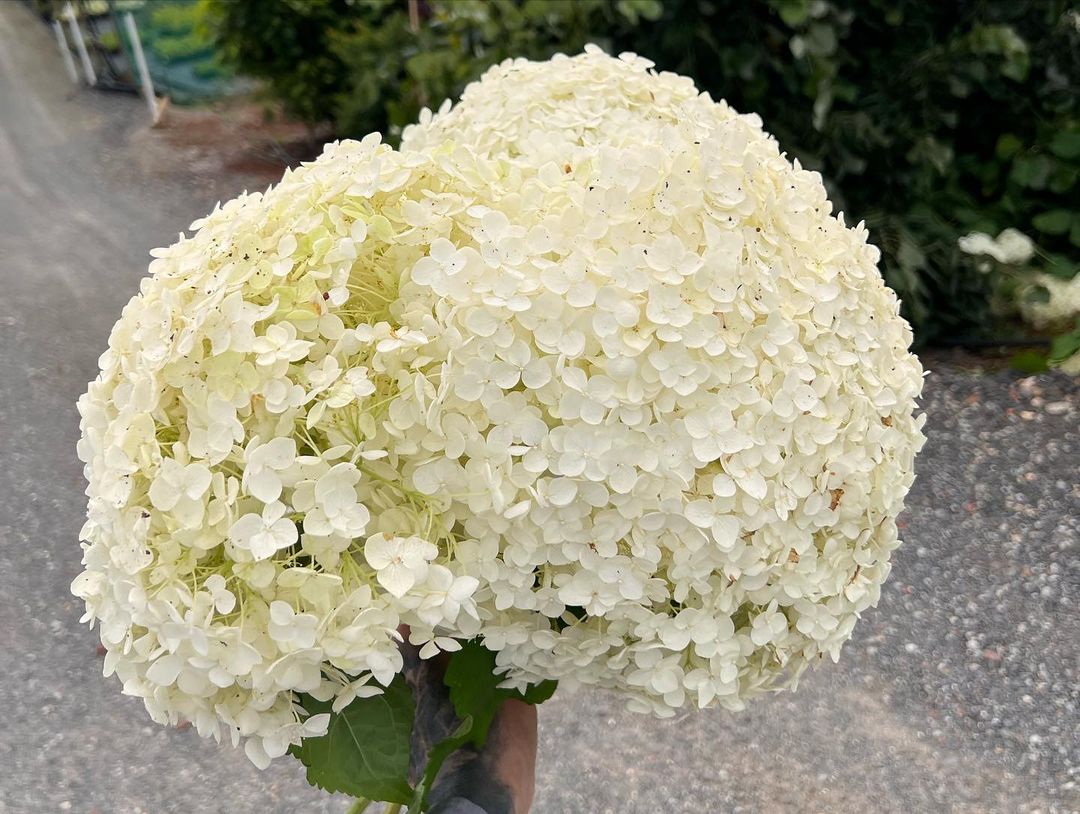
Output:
x,y
794,12
1029,361
474,689
1016,65
1031,171
821,39
539,693
1061,266
633,10
475,692
1074,233
1008,145
365,752
1062,179
1065,346
1054,222
1066,144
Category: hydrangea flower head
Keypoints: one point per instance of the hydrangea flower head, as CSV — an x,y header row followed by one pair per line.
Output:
x,y
587,369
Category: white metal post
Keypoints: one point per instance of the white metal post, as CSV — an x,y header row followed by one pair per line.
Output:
x,y
140,63
80,45
65,52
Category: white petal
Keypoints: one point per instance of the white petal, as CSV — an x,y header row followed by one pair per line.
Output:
x,y
725,531
700,513
397,579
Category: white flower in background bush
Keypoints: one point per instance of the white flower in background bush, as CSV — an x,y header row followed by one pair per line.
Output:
x,y
1011,247
1060,306
588,369
1058,303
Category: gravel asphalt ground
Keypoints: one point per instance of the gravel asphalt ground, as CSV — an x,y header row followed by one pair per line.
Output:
x,y
959,693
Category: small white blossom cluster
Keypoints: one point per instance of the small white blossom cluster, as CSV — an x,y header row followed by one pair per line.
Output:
x,y
1012,247
587,369
1060,306
1058,309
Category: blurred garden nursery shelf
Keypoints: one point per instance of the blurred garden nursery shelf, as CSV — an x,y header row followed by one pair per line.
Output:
x,y
180,54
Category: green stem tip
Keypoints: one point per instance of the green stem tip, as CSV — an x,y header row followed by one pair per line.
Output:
x,y
359,806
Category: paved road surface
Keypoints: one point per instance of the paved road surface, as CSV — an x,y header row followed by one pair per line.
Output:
x,y
959,693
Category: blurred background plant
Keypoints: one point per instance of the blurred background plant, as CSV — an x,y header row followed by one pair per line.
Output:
x,y
181,51
930,121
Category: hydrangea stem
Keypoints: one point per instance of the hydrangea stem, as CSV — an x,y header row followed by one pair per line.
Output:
x,y
359,806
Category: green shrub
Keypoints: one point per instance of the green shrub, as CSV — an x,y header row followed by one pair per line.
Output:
x,y
174,18
391,71
285,43
927,120
360,64
175,30
211,71
185,46
110,41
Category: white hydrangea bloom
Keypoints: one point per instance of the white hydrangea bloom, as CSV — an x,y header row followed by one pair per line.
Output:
x,y
588,369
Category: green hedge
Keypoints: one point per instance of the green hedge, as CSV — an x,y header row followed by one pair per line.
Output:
x,y
928,120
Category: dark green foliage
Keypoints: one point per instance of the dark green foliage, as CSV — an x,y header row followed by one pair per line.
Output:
x,y
927,120
366,65
286,43
393,71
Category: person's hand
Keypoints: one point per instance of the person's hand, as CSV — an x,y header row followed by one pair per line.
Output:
x,y
500,778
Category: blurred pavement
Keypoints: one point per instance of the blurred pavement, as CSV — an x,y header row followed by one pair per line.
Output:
x,y
961,692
